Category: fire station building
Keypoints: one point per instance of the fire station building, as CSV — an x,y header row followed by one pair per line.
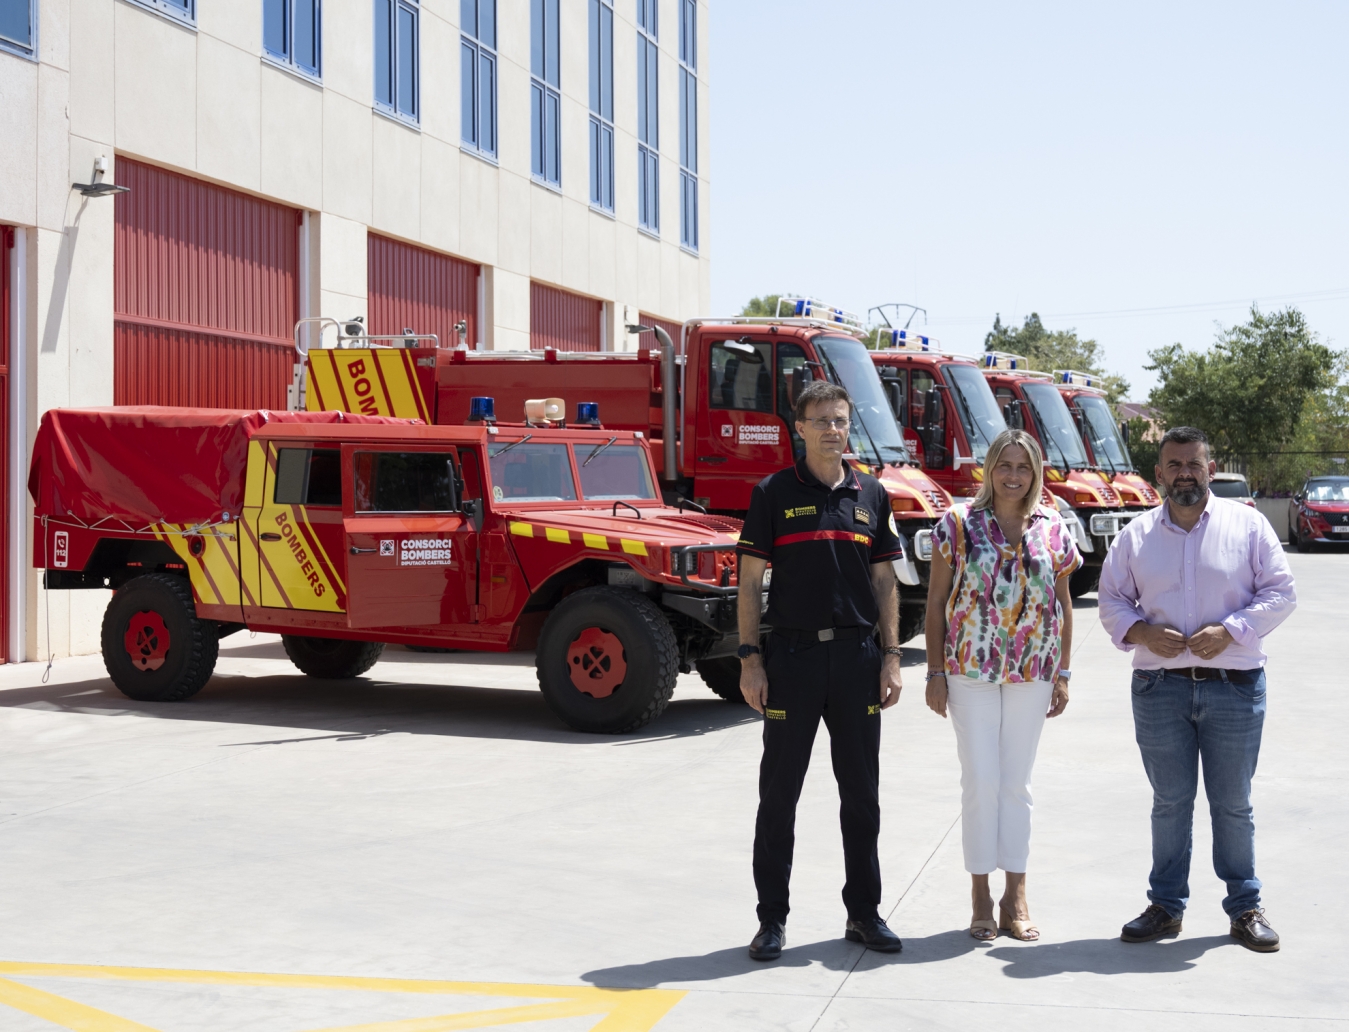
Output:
x,y
182,180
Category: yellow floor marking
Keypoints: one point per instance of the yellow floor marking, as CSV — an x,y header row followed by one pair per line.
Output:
x,y
65,1013
621,1010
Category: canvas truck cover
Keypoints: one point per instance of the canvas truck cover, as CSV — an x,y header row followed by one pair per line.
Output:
x,y
152,464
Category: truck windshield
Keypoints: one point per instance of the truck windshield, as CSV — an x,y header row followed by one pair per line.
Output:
x,y
979,412
1103,434
1062,444
875,437
531,473
620,471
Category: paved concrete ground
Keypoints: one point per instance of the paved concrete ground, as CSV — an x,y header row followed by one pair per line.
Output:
x,y
433,822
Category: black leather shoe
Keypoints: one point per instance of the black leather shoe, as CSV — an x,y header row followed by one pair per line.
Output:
x,y
1253,931
767,945
1153,923
874,935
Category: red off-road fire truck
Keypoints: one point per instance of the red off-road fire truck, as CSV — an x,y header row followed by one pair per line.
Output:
x,y
1032,402
1106,446
717,408
344,532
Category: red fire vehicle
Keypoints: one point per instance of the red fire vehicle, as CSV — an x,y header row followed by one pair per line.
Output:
x,y
342,533
1106,447
717,409
1032,402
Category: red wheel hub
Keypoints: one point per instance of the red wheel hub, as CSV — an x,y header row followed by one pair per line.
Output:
x,y
596,662
147,640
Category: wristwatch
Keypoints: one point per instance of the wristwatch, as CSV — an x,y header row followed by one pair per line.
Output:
x,y
1067,675
745,651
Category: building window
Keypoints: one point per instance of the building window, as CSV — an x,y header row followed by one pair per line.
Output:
x,y
688,124
478,75
18,26
648,117
181,10
545,98
397,65
602,104
292,33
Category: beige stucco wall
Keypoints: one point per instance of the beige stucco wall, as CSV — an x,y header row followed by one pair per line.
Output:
x,y
114,78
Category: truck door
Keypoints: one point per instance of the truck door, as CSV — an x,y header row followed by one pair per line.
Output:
x,y
740,438
410,549
298,530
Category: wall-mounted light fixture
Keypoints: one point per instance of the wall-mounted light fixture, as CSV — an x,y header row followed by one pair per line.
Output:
x,y
98,188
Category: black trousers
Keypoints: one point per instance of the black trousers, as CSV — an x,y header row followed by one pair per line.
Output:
x,y
838,680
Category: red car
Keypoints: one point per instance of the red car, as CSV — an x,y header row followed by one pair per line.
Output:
x,y
1319,513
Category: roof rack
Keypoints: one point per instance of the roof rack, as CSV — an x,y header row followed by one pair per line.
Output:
x,y
1074,378
810,308
1008,362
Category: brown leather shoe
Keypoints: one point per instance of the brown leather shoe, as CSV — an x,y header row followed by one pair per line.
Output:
x,y
1153,923
1253,931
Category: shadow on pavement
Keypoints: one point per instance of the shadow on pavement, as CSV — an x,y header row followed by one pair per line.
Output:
x,y
1106,956
832,954
365,707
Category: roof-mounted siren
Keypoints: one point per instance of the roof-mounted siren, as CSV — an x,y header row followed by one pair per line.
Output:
x,y
1005,360
909,340
1077,379
811,308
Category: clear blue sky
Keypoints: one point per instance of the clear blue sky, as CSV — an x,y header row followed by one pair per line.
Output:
x,y
1071,159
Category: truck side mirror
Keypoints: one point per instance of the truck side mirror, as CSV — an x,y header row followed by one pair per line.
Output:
x,y
934,430
1124,432
455,485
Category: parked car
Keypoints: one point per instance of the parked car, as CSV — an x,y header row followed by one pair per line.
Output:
x,y
1232,485
1319,513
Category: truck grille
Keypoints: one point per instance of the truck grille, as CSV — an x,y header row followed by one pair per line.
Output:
x,y
937,499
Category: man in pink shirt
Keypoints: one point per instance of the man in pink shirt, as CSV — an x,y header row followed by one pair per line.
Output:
x,y
1191,588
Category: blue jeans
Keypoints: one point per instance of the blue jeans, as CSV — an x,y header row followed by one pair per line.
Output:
x,y
1177,721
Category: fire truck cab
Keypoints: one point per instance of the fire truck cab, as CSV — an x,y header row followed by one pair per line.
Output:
x,y
344,533
717,408
1030,401
1106,447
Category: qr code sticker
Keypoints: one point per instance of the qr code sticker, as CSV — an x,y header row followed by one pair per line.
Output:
x,y
386,547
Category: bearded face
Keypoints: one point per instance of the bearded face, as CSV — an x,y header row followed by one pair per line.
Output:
x,y
1184,473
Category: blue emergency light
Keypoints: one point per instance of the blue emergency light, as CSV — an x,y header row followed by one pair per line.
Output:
x,y
482,410
588,413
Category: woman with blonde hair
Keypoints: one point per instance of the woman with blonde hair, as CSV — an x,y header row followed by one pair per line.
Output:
x,y
999,634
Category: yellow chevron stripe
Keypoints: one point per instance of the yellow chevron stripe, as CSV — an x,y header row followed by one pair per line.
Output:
x,y
522,529
257,467
555,534
595,541
632,547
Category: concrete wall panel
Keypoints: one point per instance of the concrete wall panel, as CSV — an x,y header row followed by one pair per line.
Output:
x,y
396,155
228,114
155,82
92,70
440,195
291,148
54,196
478,209
347,159
18,157
238,23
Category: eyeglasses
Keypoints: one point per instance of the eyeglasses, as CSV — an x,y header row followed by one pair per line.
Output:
x,y
841,423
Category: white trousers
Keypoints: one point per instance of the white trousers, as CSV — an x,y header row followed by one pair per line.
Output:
x,y
997,733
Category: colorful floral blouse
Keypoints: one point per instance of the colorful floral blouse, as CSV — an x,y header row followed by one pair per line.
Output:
x,y
1002,620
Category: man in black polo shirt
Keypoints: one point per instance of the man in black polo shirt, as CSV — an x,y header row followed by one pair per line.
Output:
x,y
829,534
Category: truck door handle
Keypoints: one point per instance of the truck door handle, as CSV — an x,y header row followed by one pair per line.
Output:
x,y
269,536
359,551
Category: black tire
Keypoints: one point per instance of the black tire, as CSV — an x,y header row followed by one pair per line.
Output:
x,y
155,647
645,657
1305,544
912,617
331,659
722,675
1082,580
1292,533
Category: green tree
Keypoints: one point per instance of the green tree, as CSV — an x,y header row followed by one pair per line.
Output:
x,y
762,307
1048,350
1142,446
1267,393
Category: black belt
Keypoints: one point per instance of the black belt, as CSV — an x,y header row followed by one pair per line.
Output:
x,y
1205,673
827,634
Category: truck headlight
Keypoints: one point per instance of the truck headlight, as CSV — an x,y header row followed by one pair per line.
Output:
x,y
922,546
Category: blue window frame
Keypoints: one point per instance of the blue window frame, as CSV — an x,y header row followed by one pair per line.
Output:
x,y
602,104
478,76
182,10
292,34
398,58
648,116
688,124
545,92
18,27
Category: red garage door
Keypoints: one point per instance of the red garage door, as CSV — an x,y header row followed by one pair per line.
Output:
x,y
205,293
568,322
674,329
412,288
